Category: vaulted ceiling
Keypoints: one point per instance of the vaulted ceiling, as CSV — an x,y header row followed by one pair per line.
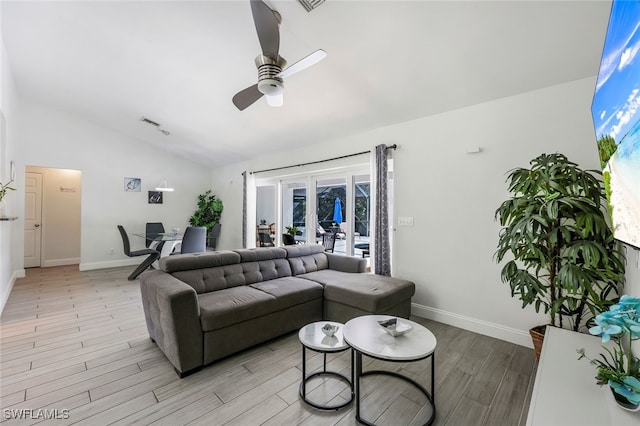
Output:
x,y
179,63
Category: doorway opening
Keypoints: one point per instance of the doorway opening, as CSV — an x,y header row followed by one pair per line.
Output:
x,y
52,217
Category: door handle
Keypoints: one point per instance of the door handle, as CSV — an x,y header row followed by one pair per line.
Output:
x,y
37,225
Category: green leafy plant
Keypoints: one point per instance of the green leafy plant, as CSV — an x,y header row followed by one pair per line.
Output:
x,y
565,259
208,213
4,187
292,230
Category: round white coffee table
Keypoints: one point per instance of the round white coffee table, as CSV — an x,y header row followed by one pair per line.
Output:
x,y
367,337
311,337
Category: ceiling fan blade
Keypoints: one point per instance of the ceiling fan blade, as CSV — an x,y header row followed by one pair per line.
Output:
x,y
303,63
267,28
247,97
275,101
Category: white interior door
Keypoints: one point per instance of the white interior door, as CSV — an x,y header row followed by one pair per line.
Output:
x,y
32,219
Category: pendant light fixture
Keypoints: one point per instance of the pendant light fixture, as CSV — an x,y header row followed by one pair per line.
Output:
x,y
163,187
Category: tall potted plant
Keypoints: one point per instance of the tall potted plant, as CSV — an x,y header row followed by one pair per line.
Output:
x,y
563,257
208,213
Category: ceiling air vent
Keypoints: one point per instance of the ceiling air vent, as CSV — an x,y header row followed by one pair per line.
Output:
x,y
156,125
146,120
309,5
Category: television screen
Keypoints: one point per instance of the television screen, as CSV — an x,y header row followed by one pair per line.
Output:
x,y
616,118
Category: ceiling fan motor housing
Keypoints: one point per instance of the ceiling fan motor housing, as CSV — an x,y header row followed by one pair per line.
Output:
x,y
268,69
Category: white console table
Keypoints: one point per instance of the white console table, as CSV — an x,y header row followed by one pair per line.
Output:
x,y
565,390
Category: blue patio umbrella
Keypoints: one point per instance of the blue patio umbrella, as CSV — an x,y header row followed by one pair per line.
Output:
x,y
337,212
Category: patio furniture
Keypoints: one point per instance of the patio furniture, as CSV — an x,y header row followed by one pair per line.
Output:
x,y
364,247
288,240
265,240
329,242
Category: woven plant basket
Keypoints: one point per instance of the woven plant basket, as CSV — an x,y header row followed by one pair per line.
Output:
x,y
537,335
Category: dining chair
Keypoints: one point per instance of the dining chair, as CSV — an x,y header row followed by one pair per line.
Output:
x,y
194,240
153,255
154,228
329,241
213,236
265,240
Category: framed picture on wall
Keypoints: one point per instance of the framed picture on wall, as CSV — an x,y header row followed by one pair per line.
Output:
x,y
155,197
132,184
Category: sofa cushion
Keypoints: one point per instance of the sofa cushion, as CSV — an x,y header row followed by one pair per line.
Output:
x,y
187,262
229,306
369,292
291,290
305,258
261,253
212,279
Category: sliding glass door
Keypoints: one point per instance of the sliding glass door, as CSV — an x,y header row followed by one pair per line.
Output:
x,y
295,210
336,203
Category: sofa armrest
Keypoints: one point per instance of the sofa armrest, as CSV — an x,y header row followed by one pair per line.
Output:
x,y
173,318
339,262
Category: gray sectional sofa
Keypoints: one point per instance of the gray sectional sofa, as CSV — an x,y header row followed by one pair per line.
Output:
x,y
202,307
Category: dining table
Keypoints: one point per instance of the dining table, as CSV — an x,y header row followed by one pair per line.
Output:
x,y
170,239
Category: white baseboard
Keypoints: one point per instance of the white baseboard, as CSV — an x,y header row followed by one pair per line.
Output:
x,y
16,274
88,266
61,262
519,337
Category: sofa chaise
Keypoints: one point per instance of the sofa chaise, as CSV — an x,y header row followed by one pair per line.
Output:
x,y
202,307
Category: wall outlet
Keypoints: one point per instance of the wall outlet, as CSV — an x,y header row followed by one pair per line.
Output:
x,y
405,221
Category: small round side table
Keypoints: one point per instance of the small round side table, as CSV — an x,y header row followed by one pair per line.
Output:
x,y
366,337
311,337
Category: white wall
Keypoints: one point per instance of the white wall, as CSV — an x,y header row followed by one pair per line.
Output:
x,y
452,197
10,267
52,138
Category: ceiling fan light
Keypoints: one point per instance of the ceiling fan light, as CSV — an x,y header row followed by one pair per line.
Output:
x,y
271,87
275,101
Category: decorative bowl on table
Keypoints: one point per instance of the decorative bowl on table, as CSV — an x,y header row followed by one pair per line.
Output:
x,y
394,327
329,329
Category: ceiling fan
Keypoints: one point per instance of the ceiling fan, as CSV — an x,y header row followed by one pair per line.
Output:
x,y
270,64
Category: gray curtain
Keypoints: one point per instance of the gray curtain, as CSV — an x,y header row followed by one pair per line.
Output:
x,y
382,255
244,209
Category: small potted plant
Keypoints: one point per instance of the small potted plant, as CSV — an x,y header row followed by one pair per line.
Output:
x,y
4,187
560,253
292,230
619,368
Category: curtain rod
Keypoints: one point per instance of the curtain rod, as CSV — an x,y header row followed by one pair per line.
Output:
x,y
394,146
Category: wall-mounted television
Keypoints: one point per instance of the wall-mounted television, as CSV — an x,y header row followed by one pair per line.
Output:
x,y
616,118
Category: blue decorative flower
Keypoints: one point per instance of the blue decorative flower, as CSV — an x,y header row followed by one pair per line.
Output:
x,y
606,330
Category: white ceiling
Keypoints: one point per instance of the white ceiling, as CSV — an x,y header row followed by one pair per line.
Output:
x,y
179,63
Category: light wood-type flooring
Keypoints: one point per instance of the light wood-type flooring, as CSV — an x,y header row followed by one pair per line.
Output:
x,y
76,342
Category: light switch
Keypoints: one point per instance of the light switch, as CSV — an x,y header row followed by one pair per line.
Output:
x,y
405,221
